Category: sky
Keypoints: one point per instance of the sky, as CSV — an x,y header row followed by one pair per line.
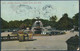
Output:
x,y
21,10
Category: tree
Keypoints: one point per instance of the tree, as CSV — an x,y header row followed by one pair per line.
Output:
x,y
52,21
4,24
76,19
65,23
14,24
53,18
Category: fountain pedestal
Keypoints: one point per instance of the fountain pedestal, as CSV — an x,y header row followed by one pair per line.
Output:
x,y
37,30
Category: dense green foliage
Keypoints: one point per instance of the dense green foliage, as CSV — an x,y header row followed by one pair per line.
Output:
x,y
4,24
64,23
76,19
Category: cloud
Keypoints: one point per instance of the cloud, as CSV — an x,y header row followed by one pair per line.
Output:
x,y
28,10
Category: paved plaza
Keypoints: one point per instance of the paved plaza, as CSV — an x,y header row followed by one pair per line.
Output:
x,y
55,42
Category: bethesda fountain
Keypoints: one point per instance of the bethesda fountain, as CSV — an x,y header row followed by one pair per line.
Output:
x,y
37,27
